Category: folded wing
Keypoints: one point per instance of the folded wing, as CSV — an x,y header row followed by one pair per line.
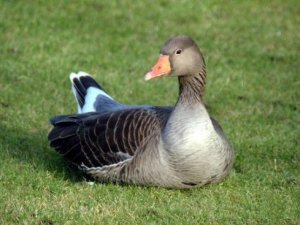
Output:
x,y
95,140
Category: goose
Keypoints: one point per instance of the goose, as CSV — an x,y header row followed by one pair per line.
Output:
x,y
177,146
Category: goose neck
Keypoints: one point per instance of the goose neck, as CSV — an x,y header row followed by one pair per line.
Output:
x,y
191,88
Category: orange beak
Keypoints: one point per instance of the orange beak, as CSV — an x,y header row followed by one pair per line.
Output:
x,y
162,67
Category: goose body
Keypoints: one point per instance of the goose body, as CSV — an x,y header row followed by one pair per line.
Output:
x,y
177,147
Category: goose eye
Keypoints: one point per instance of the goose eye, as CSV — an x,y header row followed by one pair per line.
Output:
x,y
178,51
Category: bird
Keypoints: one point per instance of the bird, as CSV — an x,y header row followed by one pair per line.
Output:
x,y
178,146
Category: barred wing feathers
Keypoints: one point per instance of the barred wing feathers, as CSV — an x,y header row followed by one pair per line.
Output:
x,y
95,140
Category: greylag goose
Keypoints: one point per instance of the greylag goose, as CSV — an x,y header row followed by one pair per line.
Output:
x,y
175,147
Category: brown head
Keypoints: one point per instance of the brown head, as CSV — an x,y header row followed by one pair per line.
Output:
x,y
179,56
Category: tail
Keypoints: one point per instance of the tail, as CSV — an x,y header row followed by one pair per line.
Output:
x,y
86,91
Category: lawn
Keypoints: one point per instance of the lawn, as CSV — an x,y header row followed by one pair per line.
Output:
x,y
252,51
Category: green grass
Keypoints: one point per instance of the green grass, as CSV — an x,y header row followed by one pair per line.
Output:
x,y
252,51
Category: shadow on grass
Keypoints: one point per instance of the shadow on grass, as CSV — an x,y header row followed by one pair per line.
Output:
x,y
32,147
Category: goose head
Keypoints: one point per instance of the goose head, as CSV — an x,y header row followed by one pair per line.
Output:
x,y
179,56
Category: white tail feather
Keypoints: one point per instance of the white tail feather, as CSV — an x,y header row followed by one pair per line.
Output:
x,y
91,94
